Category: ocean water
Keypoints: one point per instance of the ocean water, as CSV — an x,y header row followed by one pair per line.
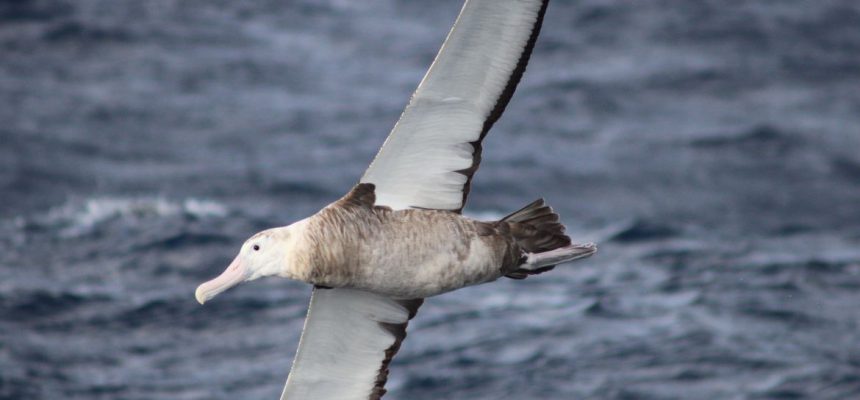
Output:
x,y
711,148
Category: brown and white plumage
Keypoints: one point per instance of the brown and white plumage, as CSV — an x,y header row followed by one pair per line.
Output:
x,y
398,237
417,253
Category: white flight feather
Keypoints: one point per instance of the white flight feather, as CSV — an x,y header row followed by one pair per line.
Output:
x,y
342,345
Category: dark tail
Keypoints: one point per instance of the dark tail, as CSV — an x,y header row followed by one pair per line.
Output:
x,y
536,229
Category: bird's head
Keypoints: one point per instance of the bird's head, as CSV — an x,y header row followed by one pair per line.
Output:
x,y
264,254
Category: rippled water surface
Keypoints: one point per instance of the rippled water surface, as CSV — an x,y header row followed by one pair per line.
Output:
x,y
711,148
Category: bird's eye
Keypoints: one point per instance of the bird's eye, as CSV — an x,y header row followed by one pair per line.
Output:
x,y
256,247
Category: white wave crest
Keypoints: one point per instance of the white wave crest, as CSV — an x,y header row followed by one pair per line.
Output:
x,y
76,218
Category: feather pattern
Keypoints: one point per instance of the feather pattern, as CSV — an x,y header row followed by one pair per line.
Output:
x,y
343,350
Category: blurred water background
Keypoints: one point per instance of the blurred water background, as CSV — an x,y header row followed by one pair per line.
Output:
x,y
711,148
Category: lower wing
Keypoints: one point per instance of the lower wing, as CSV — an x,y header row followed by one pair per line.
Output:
x,y
349,338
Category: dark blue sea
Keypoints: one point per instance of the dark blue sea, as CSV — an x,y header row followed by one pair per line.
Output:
x,y
711,148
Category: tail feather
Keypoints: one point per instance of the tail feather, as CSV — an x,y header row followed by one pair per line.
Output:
x,y
538,232
536,228
534,210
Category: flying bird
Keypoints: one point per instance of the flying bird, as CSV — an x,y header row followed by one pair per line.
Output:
x,y
398,236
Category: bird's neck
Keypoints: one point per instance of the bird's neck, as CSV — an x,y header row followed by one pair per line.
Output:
x,y
297,248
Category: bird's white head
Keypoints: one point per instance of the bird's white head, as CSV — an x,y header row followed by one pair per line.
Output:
x,y
265,254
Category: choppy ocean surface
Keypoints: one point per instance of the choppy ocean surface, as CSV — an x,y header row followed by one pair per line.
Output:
x,y
711,148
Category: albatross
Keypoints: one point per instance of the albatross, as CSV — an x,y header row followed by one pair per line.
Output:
x,y
398,236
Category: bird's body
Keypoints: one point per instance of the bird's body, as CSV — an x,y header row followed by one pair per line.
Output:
x,y
404,253
411,253
398,236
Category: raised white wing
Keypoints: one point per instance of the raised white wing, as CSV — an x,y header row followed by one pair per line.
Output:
x,y
427,161
349,338
434,149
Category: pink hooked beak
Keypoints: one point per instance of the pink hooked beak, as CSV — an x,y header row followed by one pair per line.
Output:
x,y
235,274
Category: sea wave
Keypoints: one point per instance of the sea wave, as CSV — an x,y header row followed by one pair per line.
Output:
x,y
77,218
